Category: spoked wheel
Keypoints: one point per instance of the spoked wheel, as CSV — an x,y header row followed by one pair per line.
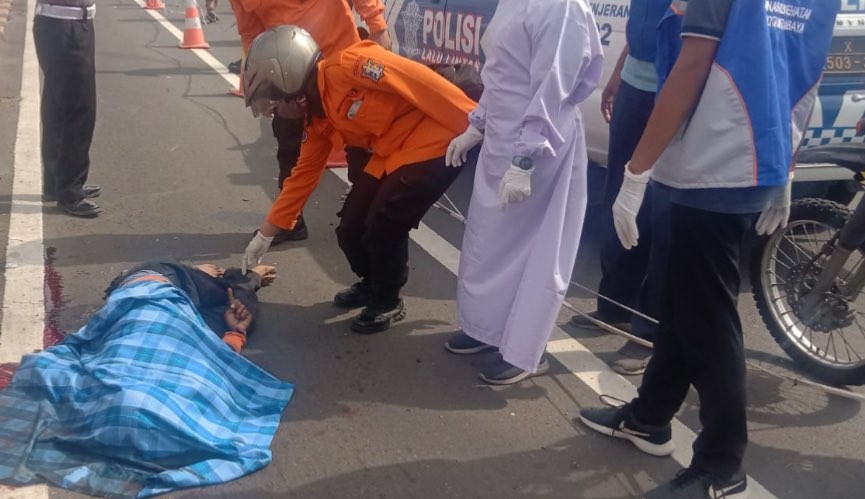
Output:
x,y
828,340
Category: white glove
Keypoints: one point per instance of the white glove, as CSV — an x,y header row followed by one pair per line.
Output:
x,y
459,148
516,185
775,215
255,250
627,206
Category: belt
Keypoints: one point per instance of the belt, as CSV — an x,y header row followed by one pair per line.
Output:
x,y
65,11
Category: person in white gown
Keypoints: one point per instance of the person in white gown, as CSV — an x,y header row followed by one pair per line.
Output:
x,y
543,57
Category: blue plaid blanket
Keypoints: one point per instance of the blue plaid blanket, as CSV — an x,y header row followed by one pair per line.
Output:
x,y
143,400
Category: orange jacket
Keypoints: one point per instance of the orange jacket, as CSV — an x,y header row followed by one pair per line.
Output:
x,y
330,22
401,110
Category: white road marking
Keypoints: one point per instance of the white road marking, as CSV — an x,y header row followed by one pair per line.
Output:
x,y
23,325
24,297
572,354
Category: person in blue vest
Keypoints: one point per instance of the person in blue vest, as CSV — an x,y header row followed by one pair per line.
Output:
x,y
631,277
742,80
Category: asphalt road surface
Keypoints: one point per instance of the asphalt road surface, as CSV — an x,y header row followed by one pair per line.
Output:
x,y
188,173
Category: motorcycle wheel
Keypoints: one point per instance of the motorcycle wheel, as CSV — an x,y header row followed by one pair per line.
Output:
x,y
830,347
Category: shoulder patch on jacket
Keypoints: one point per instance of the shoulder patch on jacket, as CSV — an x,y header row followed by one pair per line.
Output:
x,y
372,70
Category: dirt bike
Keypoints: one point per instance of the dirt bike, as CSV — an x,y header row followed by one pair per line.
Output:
x,y
808,278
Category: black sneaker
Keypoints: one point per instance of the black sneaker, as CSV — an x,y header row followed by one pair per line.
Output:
x,y
618,422
234,67
377,317
584,321
81,208
503,373
693,483
211,17
90,191
462,344
355,296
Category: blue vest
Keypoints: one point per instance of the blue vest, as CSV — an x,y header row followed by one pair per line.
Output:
x,y
758,97
641,30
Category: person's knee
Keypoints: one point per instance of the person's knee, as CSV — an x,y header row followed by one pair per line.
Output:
x,y
384,233
349,232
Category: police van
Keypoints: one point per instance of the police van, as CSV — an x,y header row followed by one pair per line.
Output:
x,y
444,32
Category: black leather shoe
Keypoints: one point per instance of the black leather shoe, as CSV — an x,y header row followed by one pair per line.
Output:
x,y
298,233
234,67
90,191
81,208
356,296
377,317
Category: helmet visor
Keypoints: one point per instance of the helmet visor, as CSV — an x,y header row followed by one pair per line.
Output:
x,y
259,92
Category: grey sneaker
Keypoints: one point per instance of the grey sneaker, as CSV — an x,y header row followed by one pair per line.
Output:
x,y
504,373
618,422
584,321
462,344
693,483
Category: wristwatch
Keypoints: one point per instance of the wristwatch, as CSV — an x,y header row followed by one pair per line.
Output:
x,y
523,162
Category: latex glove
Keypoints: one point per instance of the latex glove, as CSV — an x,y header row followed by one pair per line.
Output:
x,y
255,250
516,185
627,206
775,215
461,145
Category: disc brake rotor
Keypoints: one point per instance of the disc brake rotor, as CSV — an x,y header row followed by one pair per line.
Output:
x,y
832,310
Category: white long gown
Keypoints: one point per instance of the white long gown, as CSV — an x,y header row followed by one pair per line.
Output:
x,y
543,57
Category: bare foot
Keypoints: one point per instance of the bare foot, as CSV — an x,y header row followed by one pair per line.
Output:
x,y
267,273
211,269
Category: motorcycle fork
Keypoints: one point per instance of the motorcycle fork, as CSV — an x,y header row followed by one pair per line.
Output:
x,y
849,238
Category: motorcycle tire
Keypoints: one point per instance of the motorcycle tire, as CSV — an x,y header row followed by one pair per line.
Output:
x,y
829,214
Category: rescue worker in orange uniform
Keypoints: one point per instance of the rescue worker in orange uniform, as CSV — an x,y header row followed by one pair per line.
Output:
x,y
332,26
365,96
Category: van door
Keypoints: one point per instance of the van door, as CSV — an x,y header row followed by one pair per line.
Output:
x,y
841,101
440,32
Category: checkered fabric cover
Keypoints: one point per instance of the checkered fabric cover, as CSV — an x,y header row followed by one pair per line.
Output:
x,y
824,136
142,400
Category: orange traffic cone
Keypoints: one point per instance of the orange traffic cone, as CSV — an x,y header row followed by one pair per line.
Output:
x,y
193,35
154,5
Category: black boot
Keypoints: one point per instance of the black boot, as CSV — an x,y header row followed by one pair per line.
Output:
x,y
378,316
356,296
298,233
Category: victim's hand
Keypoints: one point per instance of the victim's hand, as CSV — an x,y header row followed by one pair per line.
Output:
x,y
237,316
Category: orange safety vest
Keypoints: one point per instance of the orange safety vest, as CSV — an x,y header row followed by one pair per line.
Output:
x,y
330,22
399,109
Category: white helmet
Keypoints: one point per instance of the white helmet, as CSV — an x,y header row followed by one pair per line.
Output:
x,y
278,65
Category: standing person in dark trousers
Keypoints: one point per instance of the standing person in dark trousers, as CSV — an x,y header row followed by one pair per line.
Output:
x,y
721,142
626,103
65,45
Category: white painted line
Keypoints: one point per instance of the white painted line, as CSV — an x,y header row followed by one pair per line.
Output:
x,y
572,354
203,54
23,322
23,325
